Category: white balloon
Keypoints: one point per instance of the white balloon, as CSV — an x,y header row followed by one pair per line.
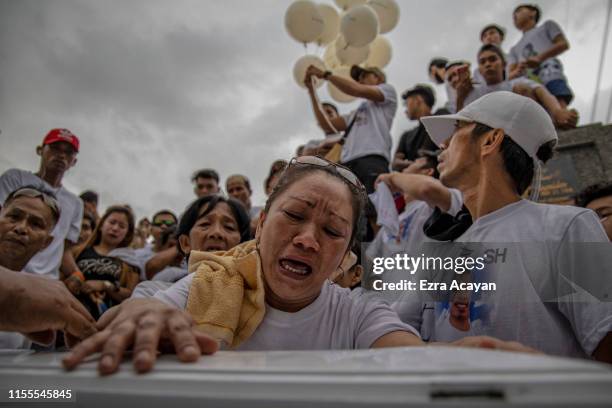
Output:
x,y
380,53
347,4
359,26
303,21
301,65
348,55
387,12
329,57
337,94
331,24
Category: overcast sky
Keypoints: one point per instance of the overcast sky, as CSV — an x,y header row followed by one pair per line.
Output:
x,y
157,89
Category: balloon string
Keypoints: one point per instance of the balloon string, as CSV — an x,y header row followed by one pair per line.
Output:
x,y
319,105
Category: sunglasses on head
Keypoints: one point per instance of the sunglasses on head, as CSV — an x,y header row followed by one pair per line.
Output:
x,y
34,193
317,161
167,223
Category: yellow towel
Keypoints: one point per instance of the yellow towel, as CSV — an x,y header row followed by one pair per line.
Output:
x,y
226,298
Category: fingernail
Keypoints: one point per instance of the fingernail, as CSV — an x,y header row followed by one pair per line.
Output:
x,y
143,355
106,361
190,350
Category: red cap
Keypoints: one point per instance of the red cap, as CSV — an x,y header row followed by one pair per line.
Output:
x,y
61,135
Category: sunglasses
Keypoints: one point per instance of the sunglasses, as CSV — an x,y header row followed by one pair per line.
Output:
x,y
317,161
33,193
167,223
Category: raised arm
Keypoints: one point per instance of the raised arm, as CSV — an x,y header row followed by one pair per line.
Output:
x,y
420,187
338,122
348,86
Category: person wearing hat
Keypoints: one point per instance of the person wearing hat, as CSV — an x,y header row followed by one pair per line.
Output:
x,y
547,291
535,55
492,67
419,100
58,154
367,142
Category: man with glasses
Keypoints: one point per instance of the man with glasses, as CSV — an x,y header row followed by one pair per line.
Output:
x,y
161,257
30,304
58,154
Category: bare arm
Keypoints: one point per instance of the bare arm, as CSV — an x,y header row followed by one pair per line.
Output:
x,y
68,263
353,88
560,45
337,122
562,117
419,187
397,339
160,260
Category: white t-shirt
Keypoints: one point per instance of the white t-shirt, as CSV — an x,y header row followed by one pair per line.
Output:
x,y
534,42
47,261
483,89
535,241
335,320
371,132
143,255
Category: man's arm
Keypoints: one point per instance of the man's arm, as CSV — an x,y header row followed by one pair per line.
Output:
x,y
420,187
562,117
160,261
68,266
348,85
560,45
338,122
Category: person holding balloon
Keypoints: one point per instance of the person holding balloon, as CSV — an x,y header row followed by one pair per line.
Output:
x,y
366,144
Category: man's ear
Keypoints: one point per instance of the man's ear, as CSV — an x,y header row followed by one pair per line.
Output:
x,y
74,162
357,274
260,221
185,243
39,150
491,142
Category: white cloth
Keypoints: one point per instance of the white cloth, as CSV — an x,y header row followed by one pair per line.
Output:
x,y
371,131
147,289
12,340
48,261
335,320
483,89
534,42
386,212
542,235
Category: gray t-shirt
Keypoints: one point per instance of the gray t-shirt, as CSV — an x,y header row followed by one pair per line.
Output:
x,y
534,42
533,241
47,261
371,131
483,89
335,320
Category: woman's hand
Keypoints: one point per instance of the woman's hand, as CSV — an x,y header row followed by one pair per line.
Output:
x,y
93,285
146,326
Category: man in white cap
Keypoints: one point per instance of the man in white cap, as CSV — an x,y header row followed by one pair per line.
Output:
x,y
545,296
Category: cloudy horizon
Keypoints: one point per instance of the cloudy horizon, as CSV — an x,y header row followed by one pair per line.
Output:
x,y
158,89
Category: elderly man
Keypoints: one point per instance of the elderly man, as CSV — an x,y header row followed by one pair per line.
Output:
x,y
30,304
57,155
367,138
544,297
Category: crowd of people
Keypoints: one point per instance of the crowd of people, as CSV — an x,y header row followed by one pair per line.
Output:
x,y
293,274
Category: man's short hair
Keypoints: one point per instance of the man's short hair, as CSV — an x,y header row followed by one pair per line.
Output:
x,y
47,196
246,181
532,7
164,212
205,173
89,196
437,62
426,92
593,192
499,29
330,105
493,48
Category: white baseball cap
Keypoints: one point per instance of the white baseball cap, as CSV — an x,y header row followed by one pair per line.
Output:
x,y
521,118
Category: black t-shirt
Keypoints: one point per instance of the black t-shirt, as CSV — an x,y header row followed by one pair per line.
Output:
x,y
414,140
100,267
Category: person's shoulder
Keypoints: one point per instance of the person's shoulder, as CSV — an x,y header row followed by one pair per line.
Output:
x,y
558,216
16,174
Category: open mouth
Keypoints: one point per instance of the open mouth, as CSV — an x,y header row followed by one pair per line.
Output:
x,y
294,269
214,247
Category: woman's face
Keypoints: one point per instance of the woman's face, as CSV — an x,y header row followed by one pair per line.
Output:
x,y
216,231
303,238
114,229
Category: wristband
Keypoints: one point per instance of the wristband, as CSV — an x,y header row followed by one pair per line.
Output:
x,y
79,275
327,74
